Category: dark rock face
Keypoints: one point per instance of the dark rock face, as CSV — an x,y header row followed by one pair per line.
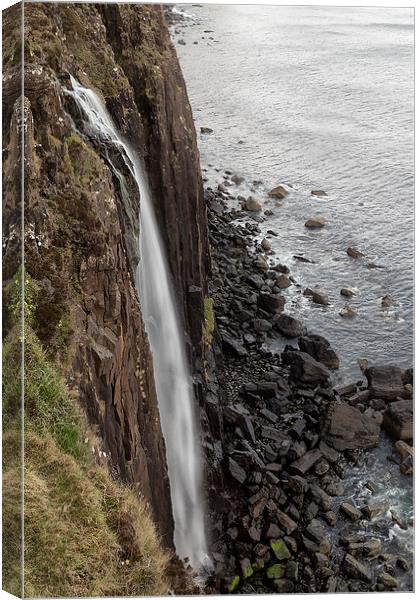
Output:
x,y
349,429
81,238
398,419
320,349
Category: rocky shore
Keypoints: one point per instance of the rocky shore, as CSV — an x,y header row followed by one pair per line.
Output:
x,y
285,520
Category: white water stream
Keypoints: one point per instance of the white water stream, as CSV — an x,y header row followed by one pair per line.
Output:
x,y
173,382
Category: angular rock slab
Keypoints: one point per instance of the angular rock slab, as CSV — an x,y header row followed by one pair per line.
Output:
x,y
349,429
304,368
398,420
385,382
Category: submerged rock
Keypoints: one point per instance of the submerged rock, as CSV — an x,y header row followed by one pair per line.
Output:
x,y
278,192
354,253
315,223
320,298
348,312
252,204
319,193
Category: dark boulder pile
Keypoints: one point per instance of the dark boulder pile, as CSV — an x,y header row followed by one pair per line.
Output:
x,y
288,436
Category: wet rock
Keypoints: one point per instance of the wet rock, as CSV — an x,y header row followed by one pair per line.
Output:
x,y
354,253
252,204
398,419
351,511
330,517
278,192
385,382
315,223
271,303
404,450
205,129
265,245
306,462
303,259
374,509
182,42
289,326
347,292
237,179
282,282
389,582
320,298
387,301
304,368
320,349
356,569
319,193
366,548
348,312
281,268
349,429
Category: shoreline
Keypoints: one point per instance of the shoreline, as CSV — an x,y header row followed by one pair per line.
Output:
x,y
284,439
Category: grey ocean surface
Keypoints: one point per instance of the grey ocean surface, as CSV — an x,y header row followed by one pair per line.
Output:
x,y
319,98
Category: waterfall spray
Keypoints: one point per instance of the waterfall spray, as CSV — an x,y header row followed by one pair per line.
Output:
x,y
173,382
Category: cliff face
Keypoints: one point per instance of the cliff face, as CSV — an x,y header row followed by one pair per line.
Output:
x,y
80,240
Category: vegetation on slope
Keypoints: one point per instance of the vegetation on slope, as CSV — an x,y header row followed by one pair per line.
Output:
x,y
85,535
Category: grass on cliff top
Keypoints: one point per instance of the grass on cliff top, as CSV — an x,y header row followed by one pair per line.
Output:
x,y
85,535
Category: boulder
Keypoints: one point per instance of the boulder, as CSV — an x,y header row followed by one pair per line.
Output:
x,y
252,204
349,429
354,253
233,345
347,292
265,245
202,129
351,511
385,382
237,179
282,282
315,223
289,326
320,349
272,303
236,471
404,450
320,298
356,569
262,325
388,581
255,281
278,192
398,420
306,462
374,509
304,368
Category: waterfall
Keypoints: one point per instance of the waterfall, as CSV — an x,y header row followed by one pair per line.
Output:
x,y
172,379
